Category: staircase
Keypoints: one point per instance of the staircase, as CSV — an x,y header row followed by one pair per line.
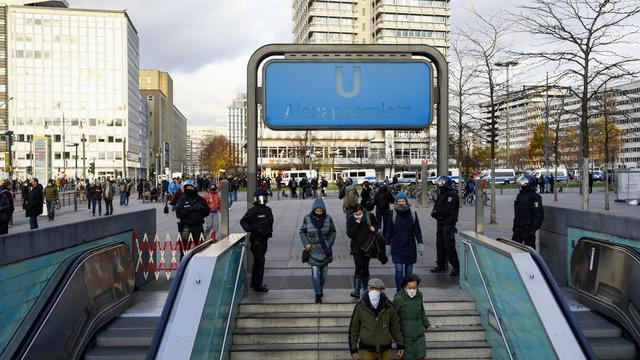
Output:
x,y
286,324
606,339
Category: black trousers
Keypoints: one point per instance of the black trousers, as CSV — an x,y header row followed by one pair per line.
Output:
x,y
4,227
185,230
108,206
361,261
258,249
446,246
524,235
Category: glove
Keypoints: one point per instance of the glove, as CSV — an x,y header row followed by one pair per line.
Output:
x,y
388,250
421,249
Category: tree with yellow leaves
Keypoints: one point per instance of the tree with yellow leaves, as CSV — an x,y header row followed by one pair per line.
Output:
x,y
216,154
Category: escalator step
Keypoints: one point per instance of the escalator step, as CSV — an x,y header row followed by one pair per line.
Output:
x,y
125,337
594,326
613,348
117,353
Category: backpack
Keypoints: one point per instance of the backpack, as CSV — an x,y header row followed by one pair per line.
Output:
x,y
350,197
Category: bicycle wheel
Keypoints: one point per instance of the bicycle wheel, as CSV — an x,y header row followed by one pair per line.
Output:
x,y
470,199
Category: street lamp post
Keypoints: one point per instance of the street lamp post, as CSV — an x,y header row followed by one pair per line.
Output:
x,y
76,146
507,64
84,158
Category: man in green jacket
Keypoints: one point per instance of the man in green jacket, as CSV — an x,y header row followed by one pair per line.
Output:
x,y
51,197
374,326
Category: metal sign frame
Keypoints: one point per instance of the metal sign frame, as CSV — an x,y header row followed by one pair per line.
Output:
x,y
378,59
331,52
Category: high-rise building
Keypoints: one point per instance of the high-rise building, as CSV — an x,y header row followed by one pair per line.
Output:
x,y
197,137
237,121
167,126
70,76
372,22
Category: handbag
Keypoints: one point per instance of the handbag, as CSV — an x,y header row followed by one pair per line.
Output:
x,y
166,208
305,256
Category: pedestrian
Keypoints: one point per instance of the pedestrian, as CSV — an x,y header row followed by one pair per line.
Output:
x,y
339,182
191,210
24,192
51,196
413,318
405,238
541,183
140,189
445,211
122,190
304,187
529,212
361,226
374,326
258,221
95,194
6,206
552,181
349,196
547,184
35,203
382,199
590,182
128,186
292,188
108,193
314,187
318,234
323,185
212,222
365,196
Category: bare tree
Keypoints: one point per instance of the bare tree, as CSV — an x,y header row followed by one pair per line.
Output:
x,y
487,39
462,87
580,37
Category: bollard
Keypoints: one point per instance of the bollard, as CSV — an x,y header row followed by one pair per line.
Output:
x,y
224,210
479,210
75,202
502,187
278,196
423,186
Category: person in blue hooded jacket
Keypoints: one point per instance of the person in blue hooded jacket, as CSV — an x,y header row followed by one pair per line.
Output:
x,y
318,234
405,238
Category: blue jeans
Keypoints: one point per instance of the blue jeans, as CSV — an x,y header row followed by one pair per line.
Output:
x,y
231,198
51,209
33,222
235,195
319,277
123,198
402,270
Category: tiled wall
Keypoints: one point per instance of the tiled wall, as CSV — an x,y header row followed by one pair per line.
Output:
x,y
522,327
22,282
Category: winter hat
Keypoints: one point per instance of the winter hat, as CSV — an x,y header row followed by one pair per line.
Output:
x,y
402,195
376,283
319,203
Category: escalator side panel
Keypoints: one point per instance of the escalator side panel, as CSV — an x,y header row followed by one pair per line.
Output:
x,y
96,292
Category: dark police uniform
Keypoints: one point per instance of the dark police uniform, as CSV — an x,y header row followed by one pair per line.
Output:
x,y
445,211
259,222
191,210
529,215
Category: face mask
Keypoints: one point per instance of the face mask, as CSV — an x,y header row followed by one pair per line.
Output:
x,y
374,297
191,192
411,292
358,217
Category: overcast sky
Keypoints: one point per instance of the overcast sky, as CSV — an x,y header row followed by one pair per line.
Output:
x,y
205,44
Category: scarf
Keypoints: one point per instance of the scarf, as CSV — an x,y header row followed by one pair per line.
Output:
x,y
401,208
318,223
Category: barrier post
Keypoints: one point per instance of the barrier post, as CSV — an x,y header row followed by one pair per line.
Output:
x,y
224,209
479,210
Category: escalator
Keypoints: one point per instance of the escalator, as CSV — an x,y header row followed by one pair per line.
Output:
x,y
88,309
602,304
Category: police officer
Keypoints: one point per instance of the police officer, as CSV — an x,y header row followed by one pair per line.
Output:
x,y
258,221
445,211
529,213
191,209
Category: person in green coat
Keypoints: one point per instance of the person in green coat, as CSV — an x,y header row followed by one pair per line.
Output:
x,y
413,319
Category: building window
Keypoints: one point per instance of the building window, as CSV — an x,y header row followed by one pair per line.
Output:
x,y
57,138
150,98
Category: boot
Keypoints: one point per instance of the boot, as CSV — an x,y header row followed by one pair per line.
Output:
x,y
318,299
357,284
454,272
438,269
365,282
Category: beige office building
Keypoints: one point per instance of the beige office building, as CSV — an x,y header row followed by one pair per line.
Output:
x,y
167,126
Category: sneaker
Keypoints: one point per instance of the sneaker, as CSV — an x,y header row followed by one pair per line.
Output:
x,y
437,269
262,288
355,295
318,299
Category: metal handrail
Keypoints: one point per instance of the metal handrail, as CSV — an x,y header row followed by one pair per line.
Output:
x,y
486,290
233,299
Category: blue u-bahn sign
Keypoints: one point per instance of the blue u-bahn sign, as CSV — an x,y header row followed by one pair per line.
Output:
x,y
302,95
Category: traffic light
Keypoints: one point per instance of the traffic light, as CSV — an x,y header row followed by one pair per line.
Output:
x,y
92,168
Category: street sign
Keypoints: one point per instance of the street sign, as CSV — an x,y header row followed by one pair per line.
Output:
x,y
303,95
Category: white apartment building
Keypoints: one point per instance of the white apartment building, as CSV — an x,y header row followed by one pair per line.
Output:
x,y
197,137
237,125
72,74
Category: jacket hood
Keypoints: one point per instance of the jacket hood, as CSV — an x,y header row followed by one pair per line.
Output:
x,y
319,203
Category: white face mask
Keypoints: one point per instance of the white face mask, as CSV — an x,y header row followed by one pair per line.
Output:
x,y
411,292
374,296
358,217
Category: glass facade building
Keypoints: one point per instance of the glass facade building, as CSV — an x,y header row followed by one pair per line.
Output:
x,y
72,74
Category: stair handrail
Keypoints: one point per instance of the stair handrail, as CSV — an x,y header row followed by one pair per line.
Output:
x,y
486,290
233,299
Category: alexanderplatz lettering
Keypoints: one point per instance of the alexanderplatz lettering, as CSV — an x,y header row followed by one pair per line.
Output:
x,y
344,94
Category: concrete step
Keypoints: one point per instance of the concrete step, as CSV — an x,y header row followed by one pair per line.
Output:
x,y
322,319
124,337
613,348
292,335
117,353
332,351
345,306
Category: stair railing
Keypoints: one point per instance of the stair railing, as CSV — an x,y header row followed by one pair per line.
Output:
x,y
233,301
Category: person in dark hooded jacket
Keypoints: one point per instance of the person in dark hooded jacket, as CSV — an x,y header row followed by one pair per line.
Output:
x,y
191,209
6,206
35,203
405,238
318,234
361,226
258,221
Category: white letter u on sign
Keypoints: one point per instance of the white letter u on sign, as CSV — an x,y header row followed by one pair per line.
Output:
x,y
340,82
